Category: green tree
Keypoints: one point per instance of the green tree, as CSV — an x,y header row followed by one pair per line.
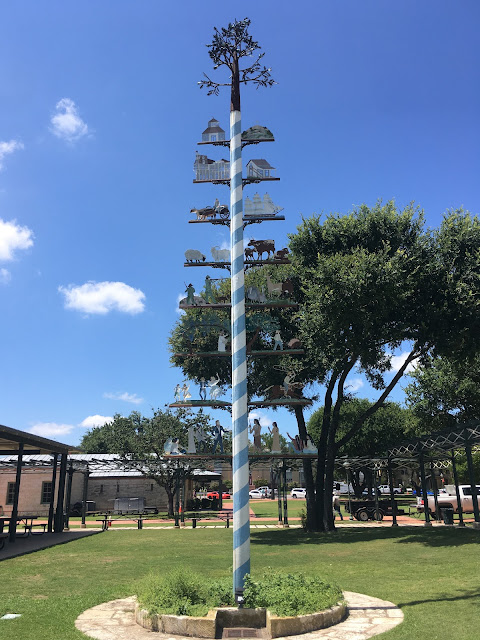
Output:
x,y
373,280
139,443
444,392
389,425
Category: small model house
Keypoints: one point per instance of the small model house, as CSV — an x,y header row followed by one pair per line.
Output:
x,y
206,169
213,133
260,169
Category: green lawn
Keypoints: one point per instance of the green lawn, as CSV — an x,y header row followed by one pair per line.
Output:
x,y
431,574
269,508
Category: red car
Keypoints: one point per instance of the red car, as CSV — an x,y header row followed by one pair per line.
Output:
x,y
214,494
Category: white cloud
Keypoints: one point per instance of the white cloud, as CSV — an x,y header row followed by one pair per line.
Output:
x,y
102,297
180,297
126,397
66,123
50,429
354,384
265,421
13,237
8,147
95,421
397,361
5,276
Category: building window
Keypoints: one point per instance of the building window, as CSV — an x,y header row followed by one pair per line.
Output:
x,y
213,138
101,488
267,173
151,487
118,488
10,492
46,493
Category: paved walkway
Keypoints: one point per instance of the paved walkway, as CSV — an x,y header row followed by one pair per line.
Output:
x,y
367,618
31,543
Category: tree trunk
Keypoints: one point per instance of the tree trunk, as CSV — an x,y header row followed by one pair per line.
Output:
x,y
170,496
235,93
307,472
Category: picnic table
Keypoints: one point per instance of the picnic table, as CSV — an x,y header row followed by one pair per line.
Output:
x,y
29,525
107,518
226,516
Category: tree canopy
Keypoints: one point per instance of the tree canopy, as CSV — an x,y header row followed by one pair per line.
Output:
x,y
375,280
445,391
140,440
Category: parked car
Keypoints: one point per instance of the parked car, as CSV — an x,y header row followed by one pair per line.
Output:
x,y
449,499
214,494
256,494
266,490
385,488
298,493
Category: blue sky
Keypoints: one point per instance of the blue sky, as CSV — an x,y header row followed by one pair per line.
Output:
x,y
100,113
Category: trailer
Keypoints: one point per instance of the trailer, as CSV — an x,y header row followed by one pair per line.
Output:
x,y
364,510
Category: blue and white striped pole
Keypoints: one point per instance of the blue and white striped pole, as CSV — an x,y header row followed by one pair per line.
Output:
x,y
241,515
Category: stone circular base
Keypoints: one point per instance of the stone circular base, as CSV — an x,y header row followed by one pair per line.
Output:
x,y
367,617
212,625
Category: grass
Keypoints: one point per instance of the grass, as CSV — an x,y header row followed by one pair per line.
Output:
x,y
431,574
269,508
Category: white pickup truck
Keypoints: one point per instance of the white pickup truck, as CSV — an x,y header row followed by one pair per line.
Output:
x,y
448,499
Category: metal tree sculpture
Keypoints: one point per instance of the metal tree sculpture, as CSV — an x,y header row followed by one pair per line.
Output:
x,y
229,45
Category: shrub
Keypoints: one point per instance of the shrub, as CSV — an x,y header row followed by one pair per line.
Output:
x,y
182,592
287,594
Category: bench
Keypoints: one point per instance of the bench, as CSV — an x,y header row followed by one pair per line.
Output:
x,y
226,516
104,522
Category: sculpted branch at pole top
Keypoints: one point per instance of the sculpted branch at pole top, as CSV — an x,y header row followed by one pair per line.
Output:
x,y
228,46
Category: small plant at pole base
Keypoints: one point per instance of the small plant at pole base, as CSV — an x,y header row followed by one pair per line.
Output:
x,y
290,594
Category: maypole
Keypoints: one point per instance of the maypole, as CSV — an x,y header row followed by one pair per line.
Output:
x,y
241,517
229,45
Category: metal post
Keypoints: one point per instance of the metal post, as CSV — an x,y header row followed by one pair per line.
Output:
x,y
241,514
68,497
177,498
182,500
471,477
12,529
285,509
433,483
51,508
58,527
461,523
272,484
424,491
279,496
349,475
84,497
375,489
392,494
